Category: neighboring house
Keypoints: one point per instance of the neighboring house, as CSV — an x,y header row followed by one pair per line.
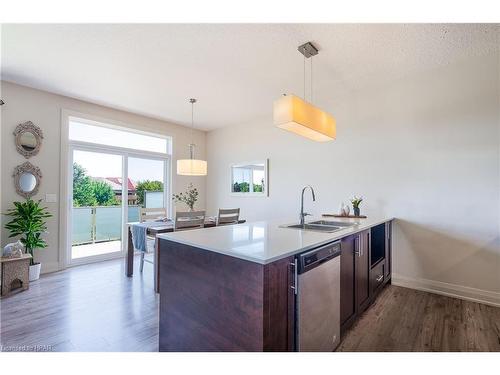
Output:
x,y
116,185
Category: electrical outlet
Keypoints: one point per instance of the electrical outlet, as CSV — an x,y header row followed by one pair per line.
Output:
x,y
50,198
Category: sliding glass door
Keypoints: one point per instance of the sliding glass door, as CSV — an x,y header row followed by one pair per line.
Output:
x,y
97,205
108,184
148,176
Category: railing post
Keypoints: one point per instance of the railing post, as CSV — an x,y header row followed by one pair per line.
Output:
x,y
94,224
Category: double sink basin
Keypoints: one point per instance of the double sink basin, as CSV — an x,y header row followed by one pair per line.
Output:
x,y
325,226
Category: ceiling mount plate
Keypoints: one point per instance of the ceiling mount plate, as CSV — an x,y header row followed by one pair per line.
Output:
x,y
308,50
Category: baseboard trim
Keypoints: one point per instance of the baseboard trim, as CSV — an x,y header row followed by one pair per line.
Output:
x,y
446,289
48,267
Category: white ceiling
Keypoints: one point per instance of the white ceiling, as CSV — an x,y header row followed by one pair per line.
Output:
x,y
235,71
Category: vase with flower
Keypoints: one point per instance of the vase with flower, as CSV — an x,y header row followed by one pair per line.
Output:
x,y
356,201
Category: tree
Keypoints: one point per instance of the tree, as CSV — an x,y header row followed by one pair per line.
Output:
x,y
103,193
259,188
88,192
147,185
83,193
79,173
243,187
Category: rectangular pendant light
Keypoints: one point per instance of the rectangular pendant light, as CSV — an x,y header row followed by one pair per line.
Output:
x,y
191,167
296,115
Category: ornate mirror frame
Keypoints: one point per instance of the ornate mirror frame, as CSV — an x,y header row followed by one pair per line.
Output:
x,y
28,127
27,167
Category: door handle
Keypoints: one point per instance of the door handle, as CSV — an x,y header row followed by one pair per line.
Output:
x,y
294,286
380,278
359,251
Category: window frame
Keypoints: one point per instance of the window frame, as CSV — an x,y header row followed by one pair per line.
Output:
x,y
66,169
109,124
264,193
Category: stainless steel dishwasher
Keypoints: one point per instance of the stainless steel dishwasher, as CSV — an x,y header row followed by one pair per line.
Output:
x,y
318,299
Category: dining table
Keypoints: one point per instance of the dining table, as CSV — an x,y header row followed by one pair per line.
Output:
x,y
153,231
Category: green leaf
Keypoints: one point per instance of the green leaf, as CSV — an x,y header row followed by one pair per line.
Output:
x,y
28,222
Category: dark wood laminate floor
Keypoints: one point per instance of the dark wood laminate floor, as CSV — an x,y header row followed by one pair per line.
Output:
x,y
96,308
86,308
403,319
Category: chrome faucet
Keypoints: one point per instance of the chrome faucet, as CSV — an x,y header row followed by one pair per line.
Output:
x,y
302,213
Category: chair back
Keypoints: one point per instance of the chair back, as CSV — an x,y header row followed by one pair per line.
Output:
x,y
189,220
228,216
151,214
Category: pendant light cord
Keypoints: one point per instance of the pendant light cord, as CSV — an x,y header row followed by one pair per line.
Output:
x,y
191,151
311,79
192,121
191,145
304,77
311,83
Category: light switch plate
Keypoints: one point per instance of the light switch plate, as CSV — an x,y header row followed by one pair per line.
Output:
x,y
50,198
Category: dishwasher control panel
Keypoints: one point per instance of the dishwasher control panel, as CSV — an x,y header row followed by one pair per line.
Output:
x,y
317,256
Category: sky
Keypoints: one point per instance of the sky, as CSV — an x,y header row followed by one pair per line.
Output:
x,y
108,165
243,175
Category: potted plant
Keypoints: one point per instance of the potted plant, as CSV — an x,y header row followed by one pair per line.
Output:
x,y
356,201
28,221
189,197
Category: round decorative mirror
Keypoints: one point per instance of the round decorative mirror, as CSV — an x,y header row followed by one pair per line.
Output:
x,y
27,182
27,179
28,139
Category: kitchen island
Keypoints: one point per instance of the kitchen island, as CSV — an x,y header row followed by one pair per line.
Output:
x,y
231,288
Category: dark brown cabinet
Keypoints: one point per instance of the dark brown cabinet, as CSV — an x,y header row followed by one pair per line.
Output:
x,y
214,302
365,267
354,277
388,249
347,284
362,269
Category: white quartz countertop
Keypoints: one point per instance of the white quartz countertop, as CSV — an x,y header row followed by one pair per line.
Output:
x,y
266,241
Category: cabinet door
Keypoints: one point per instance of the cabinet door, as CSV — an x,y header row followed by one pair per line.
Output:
x,y
362,269
279,305
347,284
291,287
388,249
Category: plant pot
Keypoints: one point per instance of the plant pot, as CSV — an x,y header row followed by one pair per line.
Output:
x,y
35,271
356,211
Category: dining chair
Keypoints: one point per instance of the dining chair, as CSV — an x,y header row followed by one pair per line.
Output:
x,y
189,220
150,214
228,216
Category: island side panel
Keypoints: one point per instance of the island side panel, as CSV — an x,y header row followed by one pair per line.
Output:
x,y
209,301
279,306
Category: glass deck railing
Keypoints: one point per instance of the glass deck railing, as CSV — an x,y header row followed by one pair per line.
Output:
x,y
99,224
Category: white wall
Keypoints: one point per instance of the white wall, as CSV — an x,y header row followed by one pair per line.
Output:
x,y
44,109
424,149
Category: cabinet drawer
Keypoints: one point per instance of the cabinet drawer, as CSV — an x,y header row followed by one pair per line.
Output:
x,y
377,276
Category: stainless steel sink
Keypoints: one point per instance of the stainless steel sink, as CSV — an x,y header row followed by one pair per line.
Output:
x,y
332,223
321,226
316,227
